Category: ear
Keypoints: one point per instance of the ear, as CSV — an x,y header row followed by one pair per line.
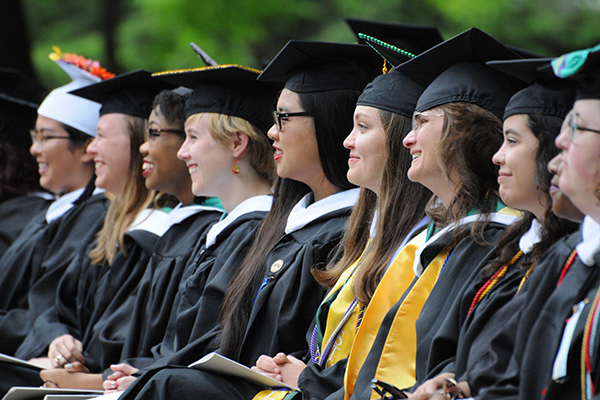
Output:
x,y
239,143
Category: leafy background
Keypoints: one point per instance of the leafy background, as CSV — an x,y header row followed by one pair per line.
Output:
x,y
155,34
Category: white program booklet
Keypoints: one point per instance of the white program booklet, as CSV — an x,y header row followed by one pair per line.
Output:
x,y
27,393
13,360
214,362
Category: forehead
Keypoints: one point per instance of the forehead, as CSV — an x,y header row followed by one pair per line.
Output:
x,y
588,110
288,100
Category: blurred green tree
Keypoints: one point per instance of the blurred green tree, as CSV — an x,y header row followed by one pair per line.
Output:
x,y
155,34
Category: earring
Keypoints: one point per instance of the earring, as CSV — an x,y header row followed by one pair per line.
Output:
x,y
235,168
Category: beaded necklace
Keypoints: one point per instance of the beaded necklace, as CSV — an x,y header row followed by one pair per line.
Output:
x,y
589,337
485,289
566,267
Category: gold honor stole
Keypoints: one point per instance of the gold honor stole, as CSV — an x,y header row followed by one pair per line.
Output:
x,y
397,362
394,283
340,298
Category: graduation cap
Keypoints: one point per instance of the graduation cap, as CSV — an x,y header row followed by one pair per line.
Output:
x,y
455,71
131,93
206,59
226,89
20,96
395,42
64,107
18,88
584,67
391,92
546,95
306,67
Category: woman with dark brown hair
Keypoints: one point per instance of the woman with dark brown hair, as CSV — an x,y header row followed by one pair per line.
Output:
x,y
456,130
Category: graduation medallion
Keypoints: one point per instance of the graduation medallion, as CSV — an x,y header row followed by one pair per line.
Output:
x,y
276,266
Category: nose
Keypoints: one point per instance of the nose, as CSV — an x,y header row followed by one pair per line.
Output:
x,y
410,139
562,141
36,148
183,153
91,149
350,139
144,148
554,164
498,157
273,132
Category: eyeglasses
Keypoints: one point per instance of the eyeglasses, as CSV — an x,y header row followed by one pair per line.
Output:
x,y
278,117
418,118
570,123
41,137
154,133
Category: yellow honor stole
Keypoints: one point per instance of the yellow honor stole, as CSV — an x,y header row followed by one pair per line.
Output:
x,y
394,283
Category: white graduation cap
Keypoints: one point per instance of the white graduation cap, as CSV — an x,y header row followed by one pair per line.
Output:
x,y
75,111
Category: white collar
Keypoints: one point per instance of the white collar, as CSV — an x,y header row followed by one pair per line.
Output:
x,y
424,221
504,219
590,245
531,237
373,229
302,214
181,213
256,203
151,220
64,203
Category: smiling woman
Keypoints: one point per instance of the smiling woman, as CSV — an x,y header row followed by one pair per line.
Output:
x,y
161,168
111,264
37,259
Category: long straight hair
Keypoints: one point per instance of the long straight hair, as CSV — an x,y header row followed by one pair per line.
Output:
x,y
332,113
400,206
136,197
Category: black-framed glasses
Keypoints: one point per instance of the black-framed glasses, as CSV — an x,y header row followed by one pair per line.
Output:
x,y
278,117
575,127
387,391
154,133
41,137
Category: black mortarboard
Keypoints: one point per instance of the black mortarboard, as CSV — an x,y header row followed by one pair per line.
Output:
x,y
455,71
20,96
584,67
391,92
547,94
410,37
226,89
18,88
394,41
131,93
306,67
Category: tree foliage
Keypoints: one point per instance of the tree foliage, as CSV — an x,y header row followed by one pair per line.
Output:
x,y
155,34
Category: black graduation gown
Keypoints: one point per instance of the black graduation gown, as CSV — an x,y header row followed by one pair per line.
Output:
x,y
484,352
92,300
436,339
546,336
283,311
34,264
197,304
506,347
460,333
158,287
15,214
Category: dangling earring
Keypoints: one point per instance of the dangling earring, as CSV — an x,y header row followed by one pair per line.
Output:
x,y
235,169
